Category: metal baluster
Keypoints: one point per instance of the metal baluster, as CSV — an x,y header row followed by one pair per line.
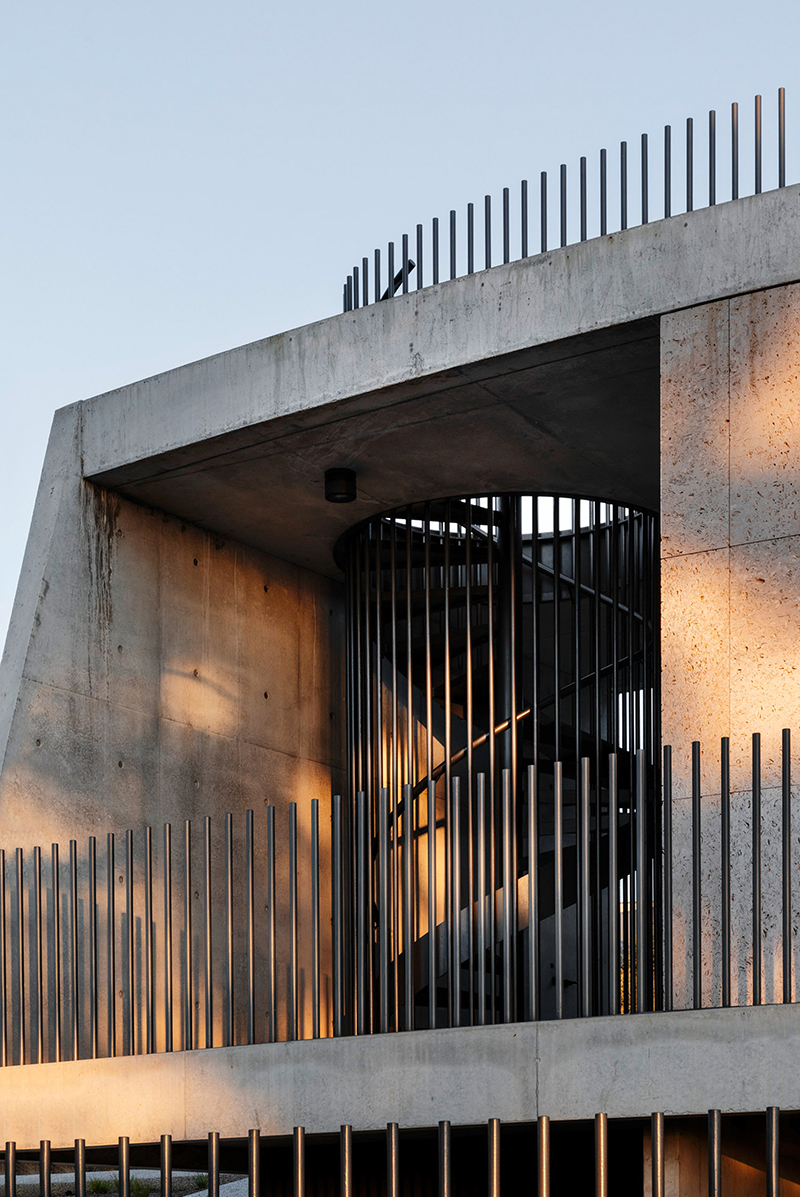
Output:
x,y
229,998
452,244
667,170
249,849
523,206
356,288
124,1165
543,209
697,909
435,249
613,886
533,894
294,963
756,821
786,844
601,1155
213,1164
668,961
207,929
149,971
725,853
583,198
712,158
781,137
408,905
365,282
377,282
714,1153
298,1162
644,165
111,943
168,1020
363,913
481,887
543,1154
642,895
585,886
392,1159
92,921
37,878
390,285
558,874
689,164
73,946
3,973
603,196
455,904
45,1169
657,1159
79,1163
10,1169
773,1152
129,943
623,185
419,258
432,976
758,145
384,909
487,231
445,1160
166,1165
337,898
734,151
272,967
345,1161
56,950
509,892
506,229
405,263
494,1157
188,1019
254,1163
563,198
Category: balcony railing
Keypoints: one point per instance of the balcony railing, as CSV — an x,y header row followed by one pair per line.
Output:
x,y
670,894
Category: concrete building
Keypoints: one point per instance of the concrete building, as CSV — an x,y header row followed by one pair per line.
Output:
x,y
371,816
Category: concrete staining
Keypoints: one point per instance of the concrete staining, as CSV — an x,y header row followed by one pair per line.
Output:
x,y
683,1063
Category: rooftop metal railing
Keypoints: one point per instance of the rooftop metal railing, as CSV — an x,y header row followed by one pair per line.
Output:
x,y
672,894
542,1157
463,251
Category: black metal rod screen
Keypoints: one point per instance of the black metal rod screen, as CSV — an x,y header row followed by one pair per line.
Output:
x,y
501,650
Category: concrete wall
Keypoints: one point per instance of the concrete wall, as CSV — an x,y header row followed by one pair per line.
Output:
x,y
730,514
155,673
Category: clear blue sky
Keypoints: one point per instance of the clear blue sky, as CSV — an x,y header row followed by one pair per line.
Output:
x,y
180,178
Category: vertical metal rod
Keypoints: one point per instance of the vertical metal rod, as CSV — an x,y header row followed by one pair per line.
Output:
x,y
377,279
188,1019
482,901
470,713
657,1160
364,919
523,206
543,209
445,1160
645,173
365,281
668,960
392,1159
21,948
405,267
37,877
124,1166
168,1019
344,297
786,843
56,949
492,788
563,197
3,975
435,248
583,199
384,907
337,899
432,880
79,1164
758,145
642,887
455,903
543,1155
213,1164
45,1169
558,874
229,1019
207,961
781,137
533,892
346,1161
689,164
613,886
734,151
149,971
494,1157
601,1155
420,273
315,918
250,888
390,270
356,288
272,968
623,185
585,885
10,1169
130,999
667,170
298,1162
73,947
92,926
756,887
452,243
487,230
166,1165
506,229
697,908
712,158
603,195
112,943
725,864
714,1153
408,906
254,1163
509,893
773,1152
294,963
470,238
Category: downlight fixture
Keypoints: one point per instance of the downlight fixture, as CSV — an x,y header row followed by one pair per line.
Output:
x,y
340,485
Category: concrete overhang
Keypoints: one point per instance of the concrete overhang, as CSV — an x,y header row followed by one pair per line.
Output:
x,y
541,374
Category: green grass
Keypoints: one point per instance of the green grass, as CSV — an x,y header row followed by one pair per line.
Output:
x,y
140,1188
201,1180
102,1186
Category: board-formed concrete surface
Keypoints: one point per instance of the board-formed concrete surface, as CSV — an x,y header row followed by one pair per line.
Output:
x,y
628,1066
